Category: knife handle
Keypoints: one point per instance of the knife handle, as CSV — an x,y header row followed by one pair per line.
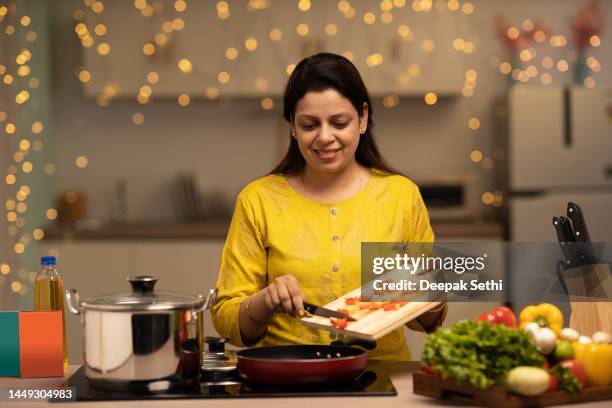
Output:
x,y
561,236
568,230
574,212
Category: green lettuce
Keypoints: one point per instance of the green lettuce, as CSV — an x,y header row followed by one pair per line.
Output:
x,y
479,353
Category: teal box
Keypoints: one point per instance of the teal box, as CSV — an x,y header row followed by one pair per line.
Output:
x,y
9,344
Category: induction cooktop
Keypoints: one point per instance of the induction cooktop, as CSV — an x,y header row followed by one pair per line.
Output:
x,y
373,382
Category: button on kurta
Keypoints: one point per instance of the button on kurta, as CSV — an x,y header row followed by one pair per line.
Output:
x,y
335,238
334,211
335,267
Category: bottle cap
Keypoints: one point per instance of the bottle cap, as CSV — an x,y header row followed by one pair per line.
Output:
x,y
47,260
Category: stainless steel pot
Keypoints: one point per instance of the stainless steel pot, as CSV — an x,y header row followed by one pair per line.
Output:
x,y
141,340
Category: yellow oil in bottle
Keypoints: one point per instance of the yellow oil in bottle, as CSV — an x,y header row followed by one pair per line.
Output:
x,y
49,295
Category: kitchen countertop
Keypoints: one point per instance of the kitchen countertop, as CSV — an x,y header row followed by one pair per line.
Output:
x,y
400,373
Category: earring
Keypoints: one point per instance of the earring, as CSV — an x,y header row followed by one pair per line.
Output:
x,y
362,131
293,135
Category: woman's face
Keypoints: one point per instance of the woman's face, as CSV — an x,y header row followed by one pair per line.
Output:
x,y
327,128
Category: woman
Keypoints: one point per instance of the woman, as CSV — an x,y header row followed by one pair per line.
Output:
x,y
296,233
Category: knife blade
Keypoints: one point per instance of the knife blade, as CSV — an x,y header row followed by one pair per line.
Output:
x,y
323,312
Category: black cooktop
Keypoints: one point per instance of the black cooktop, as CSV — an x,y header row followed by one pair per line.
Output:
x,y
373,382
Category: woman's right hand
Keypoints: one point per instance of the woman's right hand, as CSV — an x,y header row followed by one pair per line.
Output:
x,y
284,295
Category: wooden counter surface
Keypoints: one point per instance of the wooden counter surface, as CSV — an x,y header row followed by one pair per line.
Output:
x,y
400,373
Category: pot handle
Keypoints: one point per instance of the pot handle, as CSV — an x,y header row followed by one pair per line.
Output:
x,y
73,301
355,341
211,299
208,302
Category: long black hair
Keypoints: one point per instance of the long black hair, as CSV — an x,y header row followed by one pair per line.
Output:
x,y
329,71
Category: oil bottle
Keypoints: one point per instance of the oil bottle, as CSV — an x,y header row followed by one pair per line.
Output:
x,y
49,293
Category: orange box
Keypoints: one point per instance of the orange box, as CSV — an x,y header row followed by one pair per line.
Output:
x,y
41,344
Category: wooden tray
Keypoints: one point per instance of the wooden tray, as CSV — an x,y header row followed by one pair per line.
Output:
x,y
374,324
436,387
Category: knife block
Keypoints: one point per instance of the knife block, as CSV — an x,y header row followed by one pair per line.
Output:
x,y
593,281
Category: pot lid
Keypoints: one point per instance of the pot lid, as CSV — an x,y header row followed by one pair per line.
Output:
x,y
144,298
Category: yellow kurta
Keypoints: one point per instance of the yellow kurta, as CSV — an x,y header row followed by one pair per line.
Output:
x,y
277,231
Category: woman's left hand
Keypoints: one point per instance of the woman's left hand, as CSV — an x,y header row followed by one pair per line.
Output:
x,y
430,320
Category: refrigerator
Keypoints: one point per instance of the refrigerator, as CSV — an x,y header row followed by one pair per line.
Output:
x,y
559,149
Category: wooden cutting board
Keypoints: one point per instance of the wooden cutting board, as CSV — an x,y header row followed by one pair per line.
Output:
x,y
498,397
370,324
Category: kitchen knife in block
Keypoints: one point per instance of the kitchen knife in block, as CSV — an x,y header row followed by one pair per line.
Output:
x,y
9,344
590,280
373,324
41,343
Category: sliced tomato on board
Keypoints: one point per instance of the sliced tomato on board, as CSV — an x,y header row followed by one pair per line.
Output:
x,y
352,300
339,323
390,306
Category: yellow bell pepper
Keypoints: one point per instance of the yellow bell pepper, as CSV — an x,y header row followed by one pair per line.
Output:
x,y
597,362
545,314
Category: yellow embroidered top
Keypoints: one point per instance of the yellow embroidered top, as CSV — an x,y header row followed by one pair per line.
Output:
x,y
277,231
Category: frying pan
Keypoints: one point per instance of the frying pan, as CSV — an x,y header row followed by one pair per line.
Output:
x,y
302,364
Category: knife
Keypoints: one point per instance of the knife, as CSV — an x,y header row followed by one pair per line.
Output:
x,y
568,230
574,212
323,312
561,235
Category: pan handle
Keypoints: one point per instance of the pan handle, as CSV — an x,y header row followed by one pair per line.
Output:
x,y
355,341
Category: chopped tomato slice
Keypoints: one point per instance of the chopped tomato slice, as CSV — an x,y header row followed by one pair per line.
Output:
x,y
344,312
389,306
352,300
374,306
339,323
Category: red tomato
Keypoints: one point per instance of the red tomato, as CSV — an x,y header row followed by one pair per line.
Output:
x,y
504,315
577,369
553,382
426,369
486,317
374,306
499,315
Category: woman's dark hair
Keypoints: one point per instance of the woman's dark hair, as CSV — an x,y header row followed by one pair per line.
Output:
x,y
329,71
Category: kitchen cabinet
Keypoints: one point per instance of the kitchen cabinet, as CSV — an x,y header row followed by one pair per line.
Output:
x,y
407,67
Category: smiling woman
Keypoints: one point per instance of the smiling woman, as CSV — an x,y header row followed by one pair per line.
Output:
x,y
296,233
